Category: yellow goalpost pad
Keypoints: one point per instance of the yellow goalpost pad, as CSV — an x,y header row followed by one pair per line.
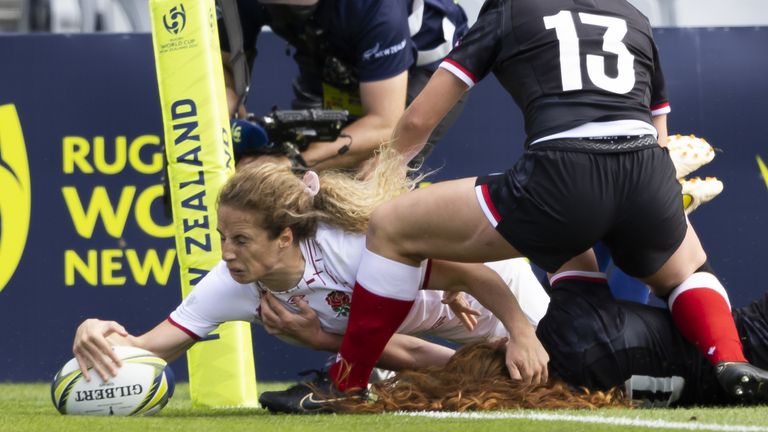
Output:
x,y
199,152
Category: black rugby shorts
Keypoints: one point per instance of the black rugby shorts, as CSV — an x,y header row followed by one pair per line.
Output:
x,y
554,204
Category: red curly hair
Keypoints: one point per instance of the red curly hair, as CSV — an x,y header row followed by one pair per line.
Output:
x,y
476,378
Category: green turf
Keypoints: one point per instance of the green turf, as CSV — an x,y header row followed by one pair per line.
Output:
x,y
27,407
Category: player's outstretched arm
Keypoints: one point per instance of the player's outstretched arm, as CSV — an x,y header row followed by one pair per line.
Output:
x,y
94,339
526,357
410,352
383,102
421,117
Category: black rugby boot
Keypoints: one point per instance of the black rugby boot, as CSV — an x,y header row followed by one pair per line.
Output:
x,y
312,397
742,381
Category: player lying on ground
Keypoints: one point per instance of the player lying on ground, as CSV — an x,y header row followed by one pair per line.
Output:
x,y
592,171
297,242
594,341
304,326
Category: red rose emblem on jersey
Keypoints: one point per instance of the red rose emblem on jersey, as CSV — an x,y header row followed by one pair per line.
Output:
x,y
339,302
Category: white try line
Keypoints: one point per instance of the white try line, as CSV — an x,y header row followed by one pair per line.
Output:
x,y
614,421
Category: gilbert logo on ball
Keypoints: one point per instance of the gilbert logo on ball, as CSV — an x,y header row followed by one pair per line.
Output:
x,y
15,193
143,386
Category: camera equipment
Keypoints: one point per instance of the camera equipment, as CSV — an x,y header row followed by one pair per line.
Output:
x,y
287,132
302,127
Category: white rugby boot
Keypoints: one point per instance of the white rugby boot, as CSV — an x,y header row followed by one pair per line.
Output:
x,y
689,153
697,191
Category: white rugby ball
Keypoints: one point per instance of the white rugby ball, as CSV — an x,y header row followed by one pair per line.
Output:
x,y
143,386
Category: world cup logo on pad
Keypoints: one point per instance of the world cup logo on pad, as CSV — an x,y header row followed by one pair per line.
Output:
x,y
15,193
176,19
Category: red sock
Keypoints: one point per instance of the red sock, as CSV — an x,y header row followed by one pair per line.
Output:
x,y
702,313
373,320
383,295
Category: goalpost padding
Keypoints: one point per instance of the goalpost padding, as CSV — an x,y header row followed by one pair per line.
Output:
x,y
199,153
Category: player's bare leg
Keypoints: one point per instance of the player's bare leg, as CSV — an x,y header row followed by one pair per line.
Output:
x,y
445,221
442,221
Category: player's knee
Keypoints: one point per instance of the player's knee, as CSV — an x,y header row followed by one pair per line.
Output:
x,y
662,287
685,262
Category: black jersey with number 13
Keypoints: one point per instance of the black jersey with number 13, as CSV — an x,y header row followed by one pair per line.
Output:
x,y
565,62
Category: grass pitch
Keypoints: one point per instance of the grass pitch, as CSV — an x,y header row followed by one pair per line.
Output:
x,y
27,407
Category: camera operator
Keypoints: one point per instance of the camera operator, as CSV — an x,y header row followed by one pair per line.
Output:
x,y
368,57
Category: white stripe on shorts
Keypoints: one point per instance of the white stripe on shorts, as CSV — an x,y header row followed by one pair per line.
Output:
x,y
484,206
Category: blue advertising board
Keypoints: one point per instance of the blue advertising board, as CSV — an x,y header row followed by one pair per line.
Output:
x,y
99,244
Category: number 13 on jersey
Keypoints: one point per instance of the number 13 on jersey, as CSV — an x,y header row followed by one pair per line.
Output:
x,y
570,54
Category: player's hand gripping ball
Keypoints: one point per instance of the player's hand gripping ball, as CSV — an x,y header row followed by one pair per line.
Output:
x,y
143,386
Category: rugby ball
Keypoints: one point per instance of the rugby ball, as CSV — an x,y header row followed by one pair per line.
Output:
x,y
143,386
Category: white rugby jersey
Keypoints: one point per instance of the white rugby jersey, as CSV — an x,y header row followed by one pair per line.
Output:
x,y
331,261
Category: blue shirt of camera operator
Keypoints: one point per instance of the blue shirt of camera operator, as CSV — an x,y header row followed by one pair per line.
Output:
x,y
354,55
380,39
